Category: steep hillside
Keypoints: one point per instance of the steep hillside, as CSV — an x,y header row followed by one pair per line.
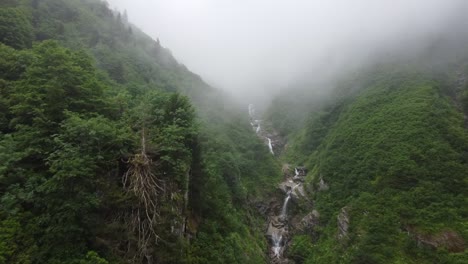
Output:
x,y
388,170
112,152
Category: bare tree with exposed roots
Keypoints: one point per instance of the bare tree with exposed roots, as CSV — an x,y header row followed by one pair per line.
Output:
x,y
140,181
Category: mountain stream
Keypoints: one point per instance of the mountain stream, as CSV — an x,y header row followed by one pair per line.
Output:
x,y
277,232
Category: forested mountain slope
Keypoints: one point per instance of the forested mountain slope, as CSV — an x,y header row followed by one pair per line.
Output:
x,y
388,169
113,152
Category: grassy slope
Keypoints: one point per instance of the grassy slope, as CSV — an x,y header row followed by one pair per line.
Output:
x,y
395,155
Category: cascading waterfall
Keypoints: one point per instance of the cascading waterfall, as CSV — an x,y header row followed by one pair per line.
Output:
x,y
253,122
278,226
277,238
256,125
284,210
285,204
270,146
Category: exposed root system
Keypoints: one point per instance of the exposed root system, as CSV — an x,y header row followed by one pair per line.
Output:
x,y
141,182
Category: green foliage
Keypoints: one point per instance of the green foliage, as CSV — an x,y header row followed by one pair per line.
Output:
x,y
8,228
15,28
56,145
73,109
62,149
226,249
233,170
300,248
56,81
394,153
92,258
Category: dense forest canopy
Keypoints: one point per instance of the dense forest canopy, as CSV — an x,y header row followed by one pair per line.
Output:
x,y
112,151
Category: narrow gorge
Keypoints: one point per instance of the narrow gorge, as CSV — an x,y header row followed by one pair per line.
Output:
x,y
278,230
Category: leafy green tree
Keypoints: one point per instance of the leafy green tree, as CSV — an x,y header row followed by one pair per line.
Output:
x,y
58,80
15,28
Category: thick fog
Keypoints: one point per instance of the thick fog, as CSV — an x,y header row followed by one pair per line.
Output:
x,y
252,47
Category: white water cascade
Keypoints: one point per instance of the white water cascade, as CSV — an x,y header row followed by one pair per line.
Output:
x,y
277,239
270,146
284,209
255,123
278,228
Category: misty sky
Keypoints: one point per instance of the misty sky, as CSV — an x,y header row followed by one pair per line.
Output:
x,y
254,45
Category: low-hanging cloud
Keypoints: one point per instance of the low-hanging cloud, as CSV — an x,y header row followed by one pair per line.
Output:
x,y
248,47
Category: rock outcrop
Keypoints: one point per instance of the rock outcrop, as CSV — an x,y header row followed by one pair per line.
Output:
x,y
343,223
277,225
310,221
448,239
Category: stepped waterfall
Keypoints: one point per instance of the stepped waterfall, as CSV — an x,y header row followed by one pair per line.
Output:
x,y
277,231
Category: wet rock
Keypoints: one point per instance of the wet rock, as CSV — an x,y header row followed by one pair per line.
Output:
x,y
275,207
297,189
299,174
298,179
262,208
298,192
343,223
267,208
287,185
301,171
277,230
278,221
278,235
273,230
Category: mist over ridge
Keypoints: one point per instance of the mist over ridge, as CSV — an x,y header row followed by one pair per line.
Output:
x,y
251,48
